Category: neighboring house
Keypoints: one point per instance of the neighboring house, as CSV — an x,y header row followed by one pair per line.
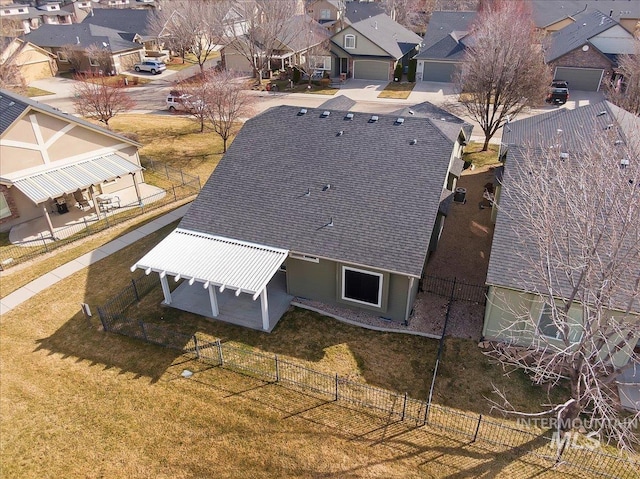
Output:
x,y
47,156
357,11
585,52
350,204
371,48
133,25
444,46
562,13
119,51
31,17
299,35
34,63
511,293
328,13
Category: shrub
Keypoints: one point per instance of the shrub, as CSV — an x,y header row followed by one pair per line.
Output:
x,y
411,74
397,74
296,75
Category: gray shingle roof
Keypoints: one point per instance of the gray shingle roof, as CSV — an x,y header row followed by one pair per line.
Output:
x,y
338,102
131,20
13,105
389,35
358,11
429,110
383,199
546,13
586,26
444,39
86,34
567,129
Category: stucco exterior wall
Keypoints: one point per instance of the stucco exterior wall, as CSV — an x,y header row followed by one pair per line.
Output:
x,y
364,46
322,282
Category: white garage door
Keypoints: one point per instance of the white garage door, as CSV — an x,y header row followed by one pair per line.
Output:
x,y
371,70
586,79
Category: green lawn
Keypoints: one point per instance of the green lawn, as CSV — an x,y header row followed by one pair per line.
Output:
x,y
397,90
33,91
473,154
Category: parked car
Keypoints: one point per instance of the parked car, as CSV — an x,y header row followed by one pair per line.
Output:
x,y
560,84
177,101
558,95
151,66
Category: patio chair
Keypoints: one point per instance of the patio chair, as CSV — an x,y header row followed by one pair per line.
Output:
x,y
81,201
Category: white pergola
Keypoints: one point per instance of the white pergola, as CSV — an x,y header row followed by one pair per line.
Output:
x,y
215,262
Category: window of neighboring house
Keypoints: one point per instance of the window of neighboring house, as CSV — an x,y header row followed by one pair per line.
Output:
x,y
350,41
5,211
364,287
321,62
93,62
62,56
6,12
548,328
325,14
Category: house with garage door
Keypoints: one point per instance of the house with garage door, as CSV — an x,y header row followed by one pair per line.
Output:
x,y
444,46
585,52
371,48
53,162
337,207
519,302
33,62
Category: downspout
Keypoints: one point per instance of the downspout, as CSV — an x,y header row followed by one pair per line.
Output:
x,y
408,309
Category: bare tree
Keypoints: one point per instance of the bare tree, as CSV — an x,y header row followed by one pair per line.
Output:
x,y
228,102
625,91
95,99
99,58
267,24
74,56
503,71
576,216
191,25
196,96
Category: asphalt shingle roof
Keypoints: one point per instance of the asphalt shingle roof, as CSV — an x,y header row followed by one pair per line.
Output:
x,y
444,39
389,35
85,34
13,105
131,20
429,110
383,199
586,26
563,129
357,11
547,13
338,102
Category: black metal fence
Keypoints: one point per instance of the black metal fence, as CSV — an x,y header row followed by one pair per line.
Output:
x,y
454,289
393,405
177,186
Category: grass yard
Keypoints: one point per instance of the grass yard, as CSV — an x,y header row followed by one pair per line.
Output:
x,y
397,90
80,403
174,140
33,91
473,153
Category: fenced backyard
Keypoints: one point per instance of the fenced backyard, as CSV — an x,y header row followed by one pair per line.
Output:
x,y
506,437
176,186
454,289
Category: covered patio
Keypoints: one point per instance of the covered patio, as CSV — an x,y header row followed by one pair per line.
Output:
x,y
221,278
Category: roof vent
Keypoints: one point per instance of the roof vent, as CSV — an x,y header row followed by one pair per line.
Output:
x,y
330,223
349,116
326,187
325,114
413,142
624,162
609,126
373,119
340,133
617,142
308,193
399,121
11,103
302,111
564,155
601,113
411,112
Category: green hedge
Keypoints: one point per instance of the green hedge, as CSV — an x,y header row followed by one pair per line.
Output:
x,y
411,74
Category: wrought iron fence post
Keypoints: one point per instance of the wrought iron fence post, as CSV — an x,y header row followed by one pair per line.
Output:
x,y
475,434
336,383
175,198
182,175
404,406
135,290
86,225
144,332
277,368
197,347
103,319
220,357
166,170
44,243
106,218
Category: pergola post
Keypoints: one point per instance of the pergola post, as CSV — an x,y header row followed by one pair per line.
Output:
x,y
95,203
265,309
165,289
135,185
214,301
48,218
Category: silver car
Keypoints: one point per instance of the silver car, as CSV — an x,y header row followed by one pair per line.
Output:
x,y
151,66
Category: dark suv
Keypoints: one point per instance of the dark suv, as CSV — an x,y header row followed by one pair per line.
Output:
x,y
558,92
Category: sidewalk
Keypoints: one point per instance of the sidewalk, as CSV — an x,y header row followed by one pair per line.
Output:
x,y
52,277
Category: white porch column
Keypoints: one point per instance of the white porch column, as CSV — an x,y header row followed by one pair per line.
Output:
x,y
214,301
265,309
92,195
165,289
48,218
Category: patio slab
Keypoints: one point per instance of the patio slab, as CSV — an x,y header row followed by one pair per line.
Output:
x,y
239,310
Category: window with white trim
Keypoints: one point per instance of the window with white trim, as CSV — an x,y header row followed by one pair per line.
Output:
x,y
325,14
94,62
549,328
321,62
5,211
360,286
62,56
350,41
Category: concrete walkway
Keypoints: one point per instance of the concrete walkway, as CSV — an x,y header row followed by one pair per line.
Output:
x,y
52,277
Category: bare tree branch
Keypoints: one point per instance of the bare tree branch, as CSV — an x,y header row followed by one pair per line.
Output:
x,y
625,90
95,99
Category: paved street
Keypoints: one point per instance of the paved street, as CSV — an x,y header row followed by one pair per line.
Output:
x,y
150,98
